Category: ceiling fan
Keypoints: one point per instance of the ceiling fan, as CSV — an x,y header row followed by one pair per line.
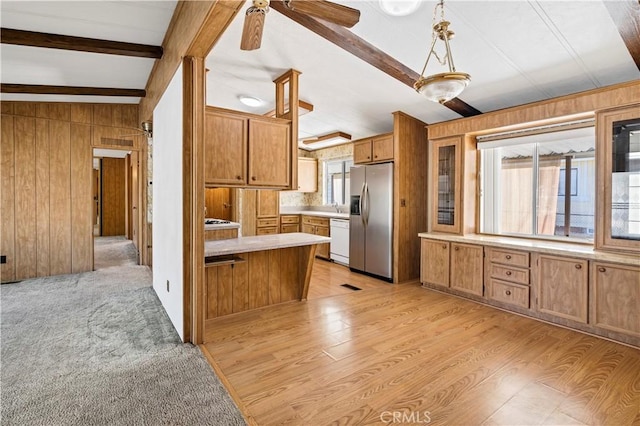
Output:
x,y
329,11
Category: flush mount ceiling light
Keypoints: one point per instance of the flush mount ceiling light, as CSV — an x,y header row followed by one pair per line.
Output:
x,y
447,85
333,138
399,7
250,101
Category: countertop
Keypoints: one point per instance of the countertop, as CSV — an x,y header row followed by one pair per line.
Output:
x,y
560,248
230,225
332,215
261,242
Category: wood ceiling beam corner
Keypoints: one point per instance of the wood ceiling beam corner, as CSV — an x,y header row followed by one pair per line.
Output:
x,y
626,15
39,89
362,49
193,31
80,44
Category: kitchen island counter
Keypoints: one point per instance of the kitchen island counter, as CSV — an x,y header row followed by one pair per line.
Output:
x,y
261,242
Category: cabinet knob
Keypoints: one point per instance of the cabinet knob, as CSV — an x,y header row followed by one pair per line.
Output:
x,y
578,266
239,177
457,248
444,246
375,156
508,273
508,292
508,256
602,269
253,178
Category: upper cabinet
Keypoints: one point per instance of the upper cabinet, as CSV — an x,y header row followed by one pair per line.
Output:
x,y
373,150
246,150
618,180
307,174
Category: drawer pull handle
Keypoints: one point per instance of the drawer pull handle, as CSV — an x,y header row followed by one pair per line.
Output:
x,y
508,273
578,266
508,292
602,269
508,256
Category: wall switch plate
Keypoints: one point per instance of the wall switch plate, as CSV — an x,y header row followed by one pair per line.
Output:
x,y
403,202
167,286
3,259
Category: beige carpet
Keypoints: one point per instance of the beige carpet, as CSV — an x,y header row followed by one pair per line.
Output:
x,y
98,349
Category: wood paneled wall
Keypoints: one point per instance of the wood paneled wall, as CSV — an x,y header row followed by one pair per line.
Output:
x,y
46,200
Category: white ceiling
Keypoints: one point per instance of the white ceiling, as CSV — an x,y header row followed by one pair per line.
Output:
x,y
516,52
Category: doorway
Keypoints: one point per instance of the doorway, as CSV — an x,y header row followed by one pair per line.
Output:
x,y
218,204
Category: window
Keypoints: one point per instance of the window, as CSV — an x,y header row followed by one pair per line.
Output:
x,y
525,181
336,181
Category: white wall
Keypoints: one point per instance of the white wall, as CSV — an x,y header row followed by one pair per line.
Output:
x,y
167,201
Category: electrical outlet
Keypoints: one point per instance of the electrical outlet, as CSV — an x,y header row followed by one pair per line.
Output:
x,y
167,286
403,202
3,259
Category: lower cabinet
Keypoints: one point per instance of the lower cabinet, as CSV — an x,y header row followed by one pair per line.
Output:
x,y
563,287
599,297
317,226
434,264
227,288
615,297
466,268
289,223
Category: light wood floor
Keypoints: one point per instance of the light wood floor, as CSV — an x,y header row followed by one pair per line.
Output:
x,y
363,357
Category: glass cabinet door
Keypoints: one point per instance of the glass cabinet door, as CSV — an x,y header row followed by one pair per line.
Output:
x,y
619,164
445,185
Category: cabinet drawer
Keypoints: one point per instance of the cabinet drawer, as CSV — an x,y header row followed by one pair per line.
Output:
x,y
514,275
514,294
261,223
509,257
289,228
289,219
314,220
266,231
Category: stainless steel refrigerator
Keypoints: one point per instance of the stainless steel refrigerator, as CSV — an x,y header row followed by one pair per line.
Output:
x,y
371,220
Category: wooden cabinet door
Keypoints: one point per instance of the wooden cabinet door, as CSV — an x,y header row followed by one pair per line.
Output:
x,y
307,174
269,153
323,249
466,268
225,149
446,170
434,262
382,148
562,287
268,203
308,229
362,151
615,298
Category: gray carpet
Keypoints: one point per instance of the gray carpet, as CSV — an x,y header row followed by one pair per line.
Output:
x,y
98,349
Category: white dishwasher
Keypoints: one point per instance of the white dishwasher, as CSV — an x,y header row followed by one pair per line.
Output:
x,y
339,251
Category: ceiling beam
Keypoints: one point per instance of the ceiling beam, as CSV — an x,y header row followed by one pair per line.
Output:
x,y
626,15
359,47
38,89
80,44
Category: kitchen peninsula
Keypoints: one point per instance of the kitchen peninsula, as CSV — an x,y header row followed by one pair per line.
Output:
x,y
247,273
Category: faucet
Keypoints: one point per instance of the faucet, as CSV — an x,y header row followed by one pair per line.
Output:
x,y
337,207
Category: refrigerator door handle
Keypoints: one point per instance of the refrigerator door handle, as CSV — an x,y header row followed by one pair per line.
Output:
x,y
361,202
367,204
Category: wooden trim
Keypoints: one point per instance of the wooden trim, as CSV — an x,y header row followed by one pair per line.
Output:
x,y
193,197
42,89
291,98
328,136
81,44
360,48
304,107
562,109
626,15
307,256
194,28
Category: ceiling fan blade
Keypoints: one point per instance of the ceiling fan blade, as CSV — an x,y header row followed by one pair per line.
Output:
x,y
252,30
332,12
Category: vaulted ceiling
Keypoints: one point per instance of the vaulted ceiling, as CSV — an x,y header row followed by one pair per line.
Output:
x,y
515,51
